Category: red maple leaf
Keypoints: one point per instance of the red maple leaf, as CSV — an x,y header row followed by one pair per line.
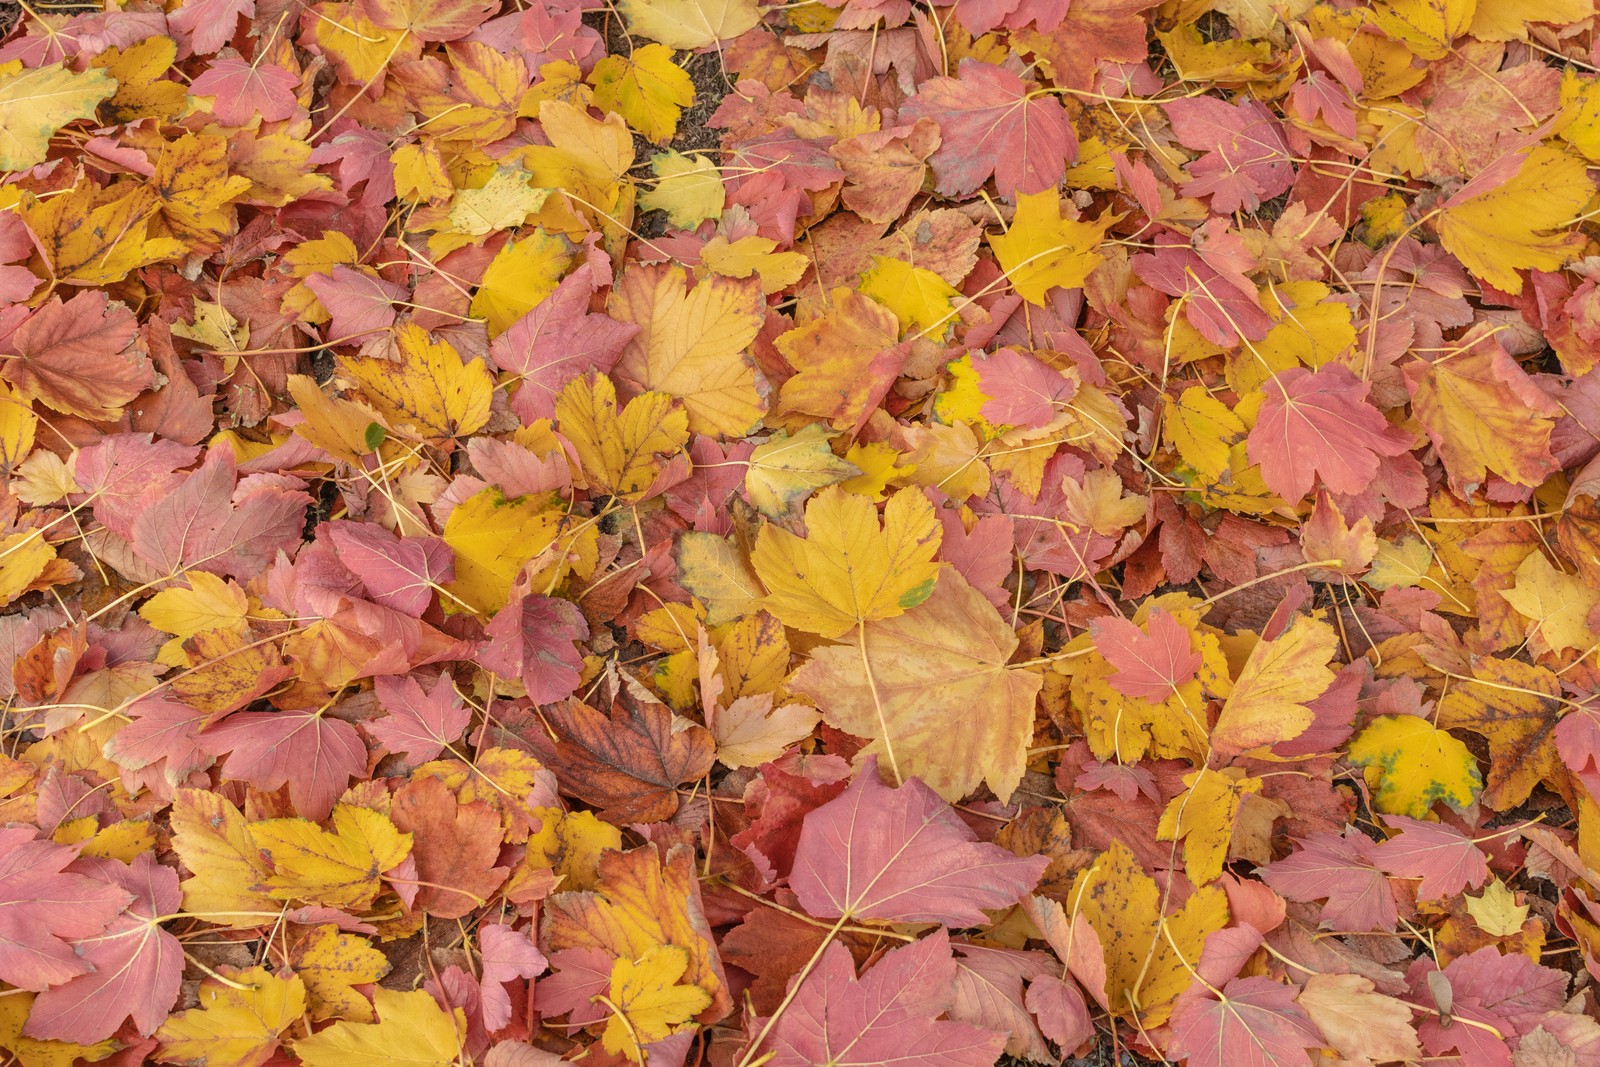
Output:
x,y
1149,664
44,907
1253,1023
1319,424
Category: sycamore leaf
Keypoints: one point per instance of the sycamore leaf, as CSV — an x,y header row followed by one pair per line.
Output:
x,y
1250,1020
1247,158
902,855
1319,425
1281,677
648,1003
690,24
502,203
522,274
432,389
911,682
331,964
1149,956
1500,223
785,469
890,1014
1496,910
338,867
1043,251
718,571
647,88
848,570
1203,816
619,450
1446,860
1414,763
919,298
313,754
1204,430
411,1031
688,188
235,1025
1558,604
36,103
691,344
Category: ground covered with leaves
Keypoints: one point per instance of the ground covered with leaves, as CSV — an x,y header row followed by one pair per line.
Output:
x,y
691,533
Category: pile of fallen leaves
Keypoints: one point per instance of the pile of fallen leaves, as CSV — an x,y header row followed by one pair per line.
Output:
x,y
1042,523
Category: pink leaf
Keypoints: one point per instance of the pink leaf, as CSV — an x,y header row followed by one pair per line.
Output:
x,y
1211,274
1149,665
360,303
902,855
507,954
1022,390
399,572
1444,858
557,341
314,755
244,90
1246,157
1256,1024
43,907
580,975
209,23
1320,424
420,722
161,729
990,125
138,966
1509,993
1343,870
532,639
78,357
988,995
1062,1013
890,1015
124,472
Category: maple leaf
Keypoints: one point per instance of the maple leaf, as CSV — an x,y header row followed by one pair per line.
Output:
x,y
847,571
785,469
314,755
647,1003
411,1029
1445,860
1342,869
1509,994
531,638
1250,1020
901,855
454,845
1203,818
331,964
235,1025
628,763
991,125
431,389
1515,706
1151,663
1043,250
1246,158
78,357
690,24
619,450
646,88
44,908
1506,219
891,1012
398,572
855,343
1270,697
909,683
339,868
1089,32
1358,1021
557,341
506,954
35,104
1319,425
1436,765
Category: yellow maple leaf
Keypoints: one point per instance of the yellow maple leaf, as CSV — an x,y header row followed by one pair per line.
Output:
x,y
1269,698
1043,251
646,88
94,235
620,451
18,423
226,873
15,1008
570,843
846,570
431,390
503,202
23,559
1524,222
785,469
844,362
590,156
918,297
1202,817
1427,27
411,1031
35,104
691,344
521,275
754,255
718,572
331,963
1149,956
1413,763
194,189
688,188
420,174
912,681
208,603
142,91
493,537
237,1023
880,465
690,24
647,1003
338,868
345,429
1515,706
1557,603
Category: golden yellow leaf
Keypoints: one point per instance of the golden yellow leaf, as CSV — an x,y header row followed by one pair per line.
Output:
x,y
15,1007
646,88
234,1027
419,173
1413,763
1558,604
1507,20
18,424
142,92
411,1031
691,344
194,189
754,256
784,470
331,963
647,1003
504,202
1515,706
94,235
919,298
845,361
718,571
1427,27
338,868
1522,223
1202,817
688,188
1150,957
847,570
431,390
1277,681
225,886
23,558
345,429
1203,429
1496,910
209,603
911,683
521,275
620,452
1043,251
570,843
880,465
493,537
35,104
690,24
